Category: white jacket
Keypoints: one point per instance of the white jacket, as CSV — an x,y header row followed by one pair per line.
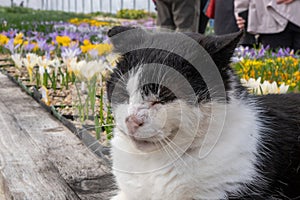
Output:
x,y
266,16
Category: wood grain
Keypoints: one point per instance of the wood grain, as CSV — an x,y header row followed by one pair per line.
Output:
x,y
42,159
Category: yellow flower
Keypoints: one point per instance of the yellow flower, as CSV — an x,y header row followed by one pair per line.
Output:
x,y
74,21
297,75
103,48
3,40
293,84
18,40
86,42
87,48
91,22
63,40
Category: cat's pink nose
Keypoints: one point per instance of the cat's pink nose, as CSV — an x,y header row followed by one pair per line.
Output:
x,y
133,123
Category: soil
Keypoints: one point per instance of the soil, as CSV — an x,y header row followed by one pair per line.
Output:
x,y
63,100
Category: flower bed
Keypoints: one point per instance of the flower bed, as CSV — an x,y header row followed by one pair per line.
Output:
x,y
264,70
65,67
65,70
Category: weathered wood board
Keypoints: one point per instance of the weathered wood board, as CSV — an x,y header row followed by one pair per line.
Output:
x,y
42,159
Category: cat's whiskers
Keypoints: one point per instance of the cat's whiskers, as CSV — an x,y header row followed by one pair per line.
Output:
x,y
121,76
173,158
179,148
165,72
177,156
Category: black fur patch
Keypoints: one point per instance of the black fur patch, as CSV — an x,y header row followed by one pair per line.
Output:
x,y
278,149
220,50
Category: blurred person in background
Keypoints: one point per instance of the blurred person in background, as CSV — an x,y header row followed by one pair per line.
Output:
x,y
224,20
276,21
203,20
179,15
224,17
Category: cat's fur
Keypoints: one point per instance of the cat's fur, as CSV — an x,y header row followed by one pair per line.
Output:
x,y
256,155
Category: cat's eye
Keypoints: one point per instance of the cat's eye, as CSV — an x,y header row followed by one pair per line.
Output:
x,y
156,102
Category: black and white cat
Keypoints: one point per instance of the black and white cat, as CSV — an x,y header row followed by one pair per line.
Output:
x,y
183,134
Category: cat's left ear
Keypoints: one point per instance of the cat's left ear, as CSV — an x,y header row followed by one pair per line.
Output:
x,y
125,39
220,48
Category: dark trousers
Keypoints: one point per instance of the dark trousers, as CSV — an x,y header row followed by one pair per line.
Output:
x,y
203,18
179,15
290,37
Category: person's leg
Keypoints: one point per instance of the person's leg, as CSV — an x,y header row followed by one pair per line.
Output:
x,y
186,15
283,39
203,18
164,14
296,36
224,22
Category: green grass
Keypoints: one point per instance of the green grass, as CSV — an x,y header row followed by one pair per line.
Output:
x,y
133,14
27,19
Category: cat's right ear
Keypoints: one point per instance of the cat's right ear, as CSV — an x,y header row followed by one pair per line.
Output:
x,y
125,39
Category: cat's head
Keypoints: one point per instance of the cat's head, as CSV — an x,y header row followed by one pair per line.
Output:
x,y
164,81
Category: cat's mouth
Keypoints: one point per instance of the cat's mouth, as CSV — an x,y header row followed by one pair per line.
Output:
x,y
144,144
152,143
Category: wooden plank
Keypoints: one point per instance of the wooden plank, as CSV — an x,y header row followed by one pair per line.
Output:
x,y
26,171
48,143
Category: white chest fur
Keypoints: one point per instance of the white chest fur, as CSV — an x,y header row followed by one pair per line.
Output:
x,y
226,164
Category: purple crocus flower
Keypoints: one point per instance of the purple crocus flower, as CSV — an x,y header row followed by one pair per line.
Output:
x,y
41,43
149,24
64,33
83,27
70,52
252,53
11,33
29,47
84,37
53,36
287,51
280,53
73,36
261,52
49,47
93,53
11,47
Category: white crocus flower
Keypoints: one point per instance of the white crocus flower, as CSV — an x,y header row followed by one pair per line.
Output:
x,y
93,68
45,95
283,88
29,62
77,66
273,88
41,70
252,84
55,63
266,87
17,58
44,64
112,59
69,63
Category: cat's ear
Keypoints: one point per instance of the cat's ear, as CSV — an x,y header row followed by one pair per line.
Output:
x,y
220,48
125,39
